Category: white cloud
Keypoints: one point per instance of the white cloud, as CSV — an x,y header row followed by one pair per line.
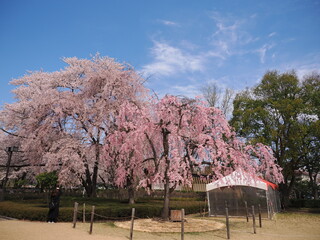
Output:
x,y
306,69
216,54
263,50
169,23
190,91
169,60
189,45
305,66
229,37
272,34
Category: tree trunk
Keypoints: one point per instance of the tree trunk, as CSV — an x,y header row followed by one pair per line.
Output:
x,y
131,190
131,195
315,188
285,190
5,180
90,184
165,210
284,193
165,142
94,180
95,171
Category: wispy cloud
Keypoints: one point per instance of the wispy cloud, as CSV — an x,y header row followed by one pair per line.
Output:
x,y
169,23
263,50
169,60
230,35
253,15
272,34
303,67
306,67
190,91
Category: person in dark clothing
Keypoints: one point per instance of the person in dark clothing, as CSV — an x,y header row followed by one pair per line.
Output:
x,y
54,206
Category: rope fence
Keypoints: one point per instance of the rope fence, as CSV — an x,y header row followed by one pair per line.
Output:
x,y
92,214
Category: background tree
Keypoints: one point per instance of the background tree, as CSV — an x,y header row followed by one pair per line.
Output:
x,y
164,142
12,163
124,150
64,117
218,97
311,160
47,180
211,93
274,113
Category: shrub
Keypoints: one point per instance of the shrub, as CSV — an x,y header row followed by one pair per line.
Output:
x,y
37,210
307,203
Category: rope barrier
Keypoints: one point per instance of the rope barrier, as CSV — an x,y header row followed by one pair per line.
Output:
x,y
110,218
82,213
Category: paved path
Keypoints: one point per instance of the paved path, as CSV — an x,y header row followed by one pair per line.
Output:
x,y
2,218
26,230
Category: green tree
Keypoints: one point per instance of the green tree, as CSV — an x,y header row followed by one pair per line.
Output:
x,y
278,112
47,180
311,96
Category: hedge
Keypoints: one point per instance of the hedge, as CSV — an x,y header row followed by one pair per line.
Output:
x,y
304,203
37,210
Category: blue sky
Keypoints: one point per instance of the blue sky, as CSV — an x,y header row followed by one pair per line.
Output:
x,y
179,45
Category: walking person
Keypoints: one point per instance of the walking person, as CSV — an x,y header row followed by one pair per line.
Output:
x,y
54,205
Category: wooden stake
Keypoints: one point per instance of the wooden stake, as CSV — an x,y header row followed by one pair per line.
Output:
x,y
247,212
260,221
75,211
227,223
205,206
253,220
92,218
84,213
182,224
132,222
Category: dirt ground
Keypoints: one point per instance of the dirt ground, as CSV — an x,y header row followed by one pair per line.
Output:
x,y
291,226
190,225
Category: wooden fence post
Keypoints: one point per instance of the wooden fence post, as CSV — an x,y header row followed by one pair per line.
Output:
x,y
92,218
205,206
253,220
227,223
75,211
247,212
132,222
84,213
182,224
260,220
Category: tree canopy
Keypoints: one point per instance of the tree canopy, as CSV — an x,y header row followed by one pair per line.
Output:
x,y
164,142
280,112
63,118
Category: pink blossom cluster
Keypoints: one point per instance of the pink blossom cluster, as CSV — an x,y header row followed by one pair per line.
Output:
x,y
166,141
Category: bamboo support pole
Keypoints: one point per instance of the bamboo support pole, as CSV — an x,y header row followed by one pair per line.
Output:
x,y
182,224
253,220
227,223
132,223
75,211
247,212
260,220
92,218
84,213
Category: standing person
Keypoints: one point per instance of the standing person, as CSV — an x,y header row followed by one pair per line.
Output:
x,y
54,205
